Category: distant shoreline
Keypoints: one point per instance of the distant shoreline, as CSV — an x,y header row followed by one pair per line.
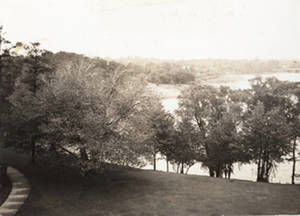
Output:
x,y
172,91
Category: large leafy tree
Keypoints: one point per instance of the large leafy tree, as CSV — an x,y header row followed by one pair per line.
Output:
x,y
27,98
96,112
177,141
295,126
161,124
215,112
187,149
10,69
224,146
266,129
291,90
5,59
195,104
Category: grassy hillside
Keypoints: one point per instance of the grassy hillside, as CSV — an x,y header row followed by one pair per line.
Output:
x,y
141,192
136,192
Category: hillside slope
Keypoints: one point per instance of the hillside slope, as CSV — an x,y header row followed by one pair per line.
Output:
x,y
137,192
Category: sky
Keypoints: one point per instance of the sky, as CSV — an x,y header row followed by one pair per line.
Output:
x,y
167,29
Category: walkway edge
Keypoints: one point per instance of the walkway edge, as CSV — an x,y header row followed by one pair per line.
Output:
x,y
18,195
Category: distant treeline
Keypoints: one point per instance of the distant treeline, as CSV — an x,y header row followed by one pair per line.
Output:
x,y
205,69
165,73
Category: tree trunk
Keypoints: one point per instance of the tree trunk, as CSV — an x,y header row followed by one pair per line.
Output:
x,y
262,171
83,154
219,172
52,147
263,168
226,171
268,166
294,160
187,170
53,150
167,161
211,172
33,147
154,162
259,165
258,170
269,169
182,169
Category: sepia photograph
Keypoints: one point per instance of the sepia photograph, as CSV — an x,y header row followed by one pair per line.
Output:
x,y
149,107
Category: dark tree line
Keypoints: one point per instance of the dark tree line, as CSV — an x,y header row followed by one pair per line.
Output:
x,y
165,73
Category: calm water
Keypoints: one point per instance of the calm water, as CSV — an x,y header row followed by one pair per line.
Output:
x,y
282,173
241,81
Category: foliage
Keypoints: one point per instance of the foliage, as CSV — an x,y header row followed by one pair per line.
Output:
x,y
27,98
95,113
169,74
64,105
266,128
10,70
187,149
216,113
67,105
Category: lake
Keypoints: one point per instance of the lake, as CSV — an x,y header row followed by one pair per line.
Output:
x,y
240,81
169,93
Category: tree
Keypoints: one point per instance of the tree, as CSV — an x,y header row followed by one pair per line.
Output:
x,y
26,99
292,91
4,56
96,113
266,129
10,69
165,136
296,133
160,125
186,149
224,146
214,111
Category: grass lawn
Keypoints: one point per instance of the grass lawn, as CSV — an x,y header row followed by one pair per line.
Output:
x,y
57,192
136,192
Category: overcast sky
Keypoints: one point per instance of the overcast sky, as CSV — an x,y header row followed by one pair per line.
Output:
x,y
158,28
